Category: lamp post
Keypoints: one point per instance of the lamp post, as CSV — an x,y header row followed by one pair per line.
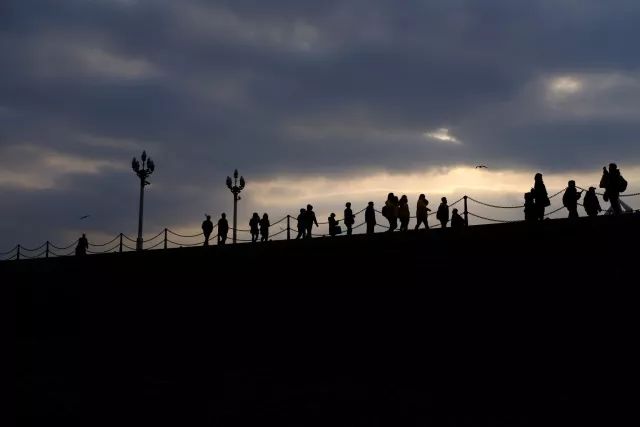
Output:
x,y
235,189
143,173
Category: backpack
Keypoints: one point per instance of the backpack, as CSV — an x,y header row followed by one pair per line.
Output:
x,y
385,211
622,185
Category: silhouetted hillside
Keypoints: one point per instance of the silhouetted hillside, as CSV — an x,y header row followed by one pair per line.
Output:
x,y
510,324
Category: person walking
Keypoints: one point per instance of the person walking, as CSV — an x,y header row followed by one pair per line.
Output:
x,y
83,245
254,227
570,199
223,229
591,203
302,224
540,196
370,218
310,220
207,228
264,228
422,212
443,212
390,211
349,218
614,184
403,213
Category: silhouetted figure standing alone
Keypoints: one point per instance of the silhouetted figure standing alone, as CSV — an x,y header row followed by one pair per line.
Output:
x,y
333,225
403,213
254,227
83,245
223,229
530,213
540,196
207,228
349,218
443,213
302,224
591,202
457,222
264,227
422,212
310,220
370,218
614,184
570,199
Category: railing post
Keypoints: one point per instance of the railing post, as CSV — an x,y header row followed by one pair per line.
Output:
x,y
288,227
46,251
18,254
165,238
466,213
120,242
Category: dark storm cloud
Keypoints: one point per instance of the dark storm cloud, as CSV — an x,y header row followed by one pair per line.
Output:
x,y
292,87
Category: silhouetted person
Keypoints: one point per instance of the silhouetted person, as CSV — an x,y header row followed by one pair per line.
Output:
x,y
403,213
457,222
370,218
264,227
207,228
349,218
540,196
613,183
333,225
223,229
530,212
422,212
310,220
83,245
389,211
591,202
254,227
302,223
442,213
570,199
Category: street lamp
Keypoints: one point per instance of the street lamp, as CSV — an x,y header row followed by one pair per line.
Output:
x,y
143,173
235,189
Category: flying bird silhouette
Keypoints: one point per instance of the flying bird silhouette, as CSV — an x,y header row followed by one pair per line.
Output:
x,y
85,216
481,167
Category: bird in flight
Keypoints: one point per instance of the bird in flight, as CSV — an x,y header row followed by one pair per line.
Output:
x,y
85,216
481,167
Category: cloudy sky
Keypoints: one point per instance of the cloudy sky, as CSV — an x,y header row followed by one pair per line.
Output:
x,y
313,101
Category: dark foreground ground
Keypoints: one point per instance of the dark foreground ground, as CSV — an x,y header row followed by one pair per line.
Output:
x,y
498,325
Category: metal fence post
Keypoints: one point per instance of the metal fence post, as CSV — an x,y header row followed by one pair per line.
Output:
x,y
120,242
288,227
466,213
46,251
18,254
165,238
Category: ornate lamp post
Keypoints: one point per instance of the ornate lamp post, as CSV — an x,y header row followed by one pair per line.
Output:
x,y
143,173
235,189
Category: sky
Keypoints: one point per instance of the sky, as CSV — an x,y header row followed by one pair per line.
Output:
x,y
312,101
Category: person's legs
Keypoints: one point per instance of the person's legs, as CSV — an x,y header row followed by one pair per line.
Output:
x,y
370,228
309,232
443,224
615,205
348,229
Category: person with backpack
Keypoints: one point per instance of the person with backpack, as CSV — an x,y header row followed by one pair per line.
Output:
x,y
591,203
349,218
540,196
389,211
422,212
442,214
370,218
614,184
570,199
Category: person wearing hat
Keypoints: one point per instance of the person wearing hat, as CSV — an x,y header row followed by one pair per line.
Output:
x,y
570,199
591,203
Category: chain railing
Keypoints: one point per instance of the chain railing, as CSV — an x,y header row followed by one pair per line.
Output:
x,y
168,239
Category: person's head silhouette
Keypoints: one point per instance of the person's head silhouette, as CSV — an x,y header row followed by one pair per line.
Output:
x,y
302,210
224,215
422,197
348,204
538,177
444,200
455,211
612,167
265,216
571,184
333,215
370,204
255,215
309,207
208,217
